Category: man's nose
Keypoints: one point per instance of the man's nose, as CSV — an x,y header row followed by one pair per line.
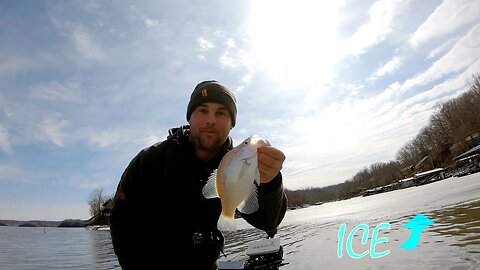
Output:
x,y
211,119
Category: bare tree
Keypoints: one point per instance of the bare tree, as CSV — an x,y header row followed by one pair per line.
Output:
x,y
96,201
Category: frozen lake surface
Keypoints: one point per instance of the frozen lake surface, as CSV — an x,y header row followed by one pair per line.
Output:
x,y
310,235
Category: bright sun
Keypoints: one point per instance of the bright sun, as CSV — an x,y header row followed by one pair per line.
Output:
x,y
295,41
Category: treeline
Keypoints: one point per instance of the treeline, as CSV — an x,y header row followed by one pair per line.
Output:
x,y
44,223
453,128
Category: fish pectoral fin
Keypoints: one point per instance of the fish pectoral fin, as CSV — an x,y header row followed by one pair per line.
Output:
x,y
209,191
247,161
250,204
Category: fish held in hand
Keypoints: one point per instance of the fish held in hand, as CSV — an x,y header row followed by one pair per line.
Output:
x,y
235,181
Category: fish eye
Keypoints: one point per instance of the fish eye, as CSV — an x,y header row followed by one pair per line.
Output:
x,y
245,143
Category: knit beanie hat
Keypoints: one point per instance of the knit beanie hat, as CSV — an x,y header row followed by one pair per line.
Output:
x,y
213,91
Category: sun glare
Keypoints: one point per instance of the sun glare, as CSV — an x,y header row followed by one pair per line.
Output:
x,y
295,41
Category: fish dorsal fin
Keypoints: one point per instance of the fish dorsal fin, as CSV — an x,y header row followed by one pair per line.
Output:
x,y
209,191
250,204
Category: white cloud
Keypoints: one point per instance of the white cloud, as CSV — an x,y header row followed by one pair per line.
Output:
x,y
52,127
232,58
446,46
231,43
4,140
442,91
375,128
333,132
449,16
104,138
12,65
150,23
85,43
204,44
382,15
56,91
463,54
388,68
151,140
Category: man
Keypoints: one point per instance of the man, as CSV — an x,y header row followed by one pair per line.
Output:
x,y
164,182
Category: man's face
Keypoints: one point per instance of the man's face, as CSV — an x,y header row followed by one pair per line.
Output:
x,y
210,124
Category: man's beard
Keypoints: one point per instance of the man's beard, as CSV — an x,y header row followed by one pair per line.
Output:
x,y
197,141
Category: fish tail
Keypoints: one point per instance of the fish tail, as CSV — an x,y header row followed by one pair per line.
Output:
x,y
226,223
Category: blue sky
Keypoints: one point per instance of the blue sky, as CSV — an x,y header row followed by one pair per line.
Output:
x,y
336,85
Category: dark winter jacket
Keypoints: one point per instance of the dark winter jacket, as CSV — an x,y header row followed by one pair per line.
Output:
x,y
159,211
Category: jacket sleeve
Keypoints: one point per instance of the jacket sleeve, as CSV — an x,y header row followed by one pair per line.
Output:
x,y
273,205
122,217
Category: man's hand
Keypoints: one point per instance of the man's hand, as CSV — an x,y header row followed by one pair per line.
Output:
x,y
270,162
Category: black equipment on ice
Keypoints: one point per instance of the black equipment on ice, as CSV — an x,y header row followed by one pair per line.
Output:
x,y
265,254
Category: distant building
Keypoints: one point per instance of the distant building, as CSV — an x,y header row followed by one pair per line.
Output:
x,y
373,191
472,153
102,218
468,161
407,182
390,187
429,176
